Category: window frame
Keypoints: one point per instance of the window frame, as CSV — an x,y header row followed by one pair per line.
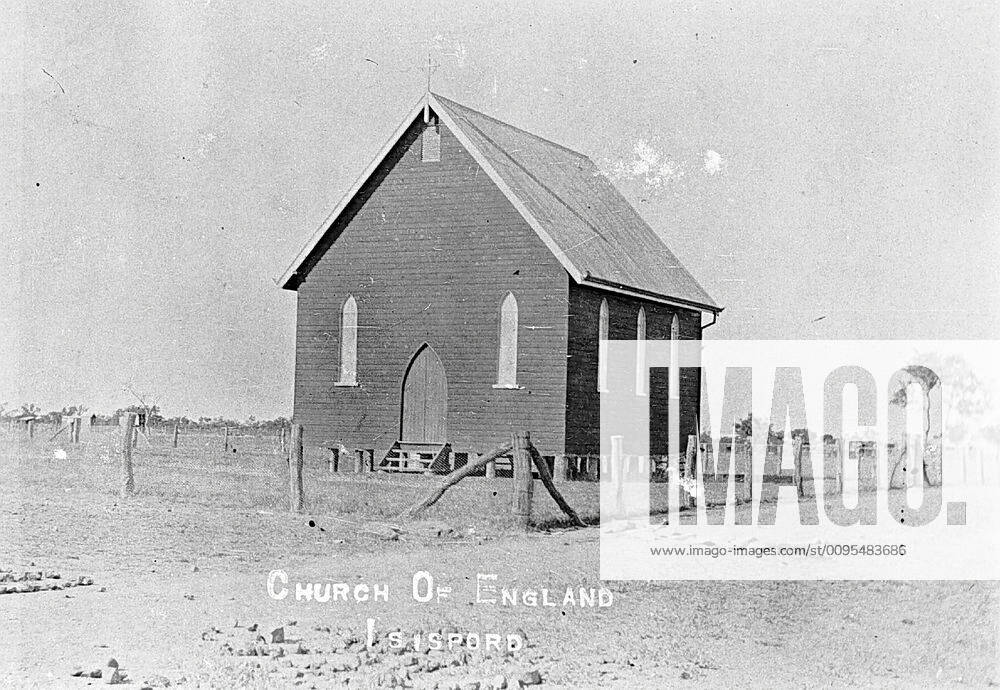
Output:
x,y
508,299
351,381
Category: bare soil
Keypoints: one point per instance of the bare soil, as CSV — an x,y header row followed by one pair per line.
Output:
x,y
180,576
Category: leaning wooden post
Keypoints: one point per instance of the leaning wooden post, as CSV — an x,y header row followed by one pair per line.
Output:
x,y
334,460
177,431
491,469
476,463
77,423
296,496
543,474
359,460
523,480
225,446
128,432
31,428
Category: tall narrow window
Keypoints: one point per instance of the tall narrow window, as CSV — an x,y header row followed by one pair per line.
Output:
x,y
602,347
507,368
640,353
675,371
349,343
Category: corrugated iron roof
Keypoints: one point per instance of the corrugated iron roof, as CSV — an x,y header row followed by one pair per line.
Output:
x,y
576,211
594,226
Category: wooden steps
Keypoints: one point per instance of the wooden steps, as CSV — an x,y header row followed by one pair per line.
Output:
x,y
407,456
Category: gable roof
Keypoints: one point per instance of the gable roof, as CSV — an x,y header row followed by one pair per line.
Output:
x,y
575,210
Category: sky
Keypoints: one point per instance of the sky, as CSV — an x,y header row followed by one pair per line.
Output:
x,y
825,170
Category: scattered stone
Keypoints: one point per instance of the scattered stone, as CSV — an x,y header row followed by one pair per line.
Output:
x,y
157,682
112,663
278,635
96,673
532,677
498,682
686,675
77,672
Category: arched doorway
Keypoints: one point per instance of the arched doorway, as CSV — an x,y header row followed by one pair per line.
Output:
x,y
424,417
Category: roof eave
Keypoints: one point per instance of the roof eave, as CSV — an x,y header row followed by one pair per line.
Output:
x,y
604,284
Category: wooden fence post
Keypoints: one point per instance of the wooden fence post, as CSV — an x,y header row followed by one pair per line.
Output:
x,y
225,446
31,428
284,443
334,461
689,455
491,469
176,433
296,496
359,460
797,471
76,429
128,433
523,481
559,468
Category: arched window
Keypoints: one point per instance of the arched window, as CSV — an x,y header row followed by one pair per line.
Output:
x,y
675,371
641,372
507,368
602,347
349,343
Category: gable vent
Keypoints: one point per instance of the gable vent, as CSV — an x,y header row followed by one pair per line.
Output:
x,y
431,142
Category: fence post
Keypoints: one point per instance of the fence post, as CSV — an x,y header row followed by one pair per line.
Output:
x,y
31,428
559,468
491,468
359,460
296,497
128,434
523,481
281,435
77,423
176,433
334,460
225,446
797,471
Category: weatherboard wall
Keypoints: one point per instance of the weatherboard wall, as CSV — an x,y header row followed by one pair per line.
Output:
x,y
582,395
429,250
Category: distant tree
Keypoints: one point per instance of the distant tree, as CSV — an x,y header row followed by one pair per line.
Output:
x,y
31,409
964,395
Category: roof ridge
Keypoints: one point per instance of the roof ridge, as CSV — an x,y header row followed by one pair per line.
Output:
x,y
567,149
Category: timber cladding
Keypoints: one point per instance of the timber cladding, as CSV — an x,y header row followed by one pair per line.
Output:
x,y
429,250
582,397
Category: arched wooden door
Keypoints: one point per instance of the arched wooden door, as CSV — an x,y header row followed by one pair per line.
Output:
x,y
425,399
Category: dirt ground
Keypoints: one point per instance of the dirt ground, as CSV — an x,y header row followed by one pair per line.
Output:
x,y
180,579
